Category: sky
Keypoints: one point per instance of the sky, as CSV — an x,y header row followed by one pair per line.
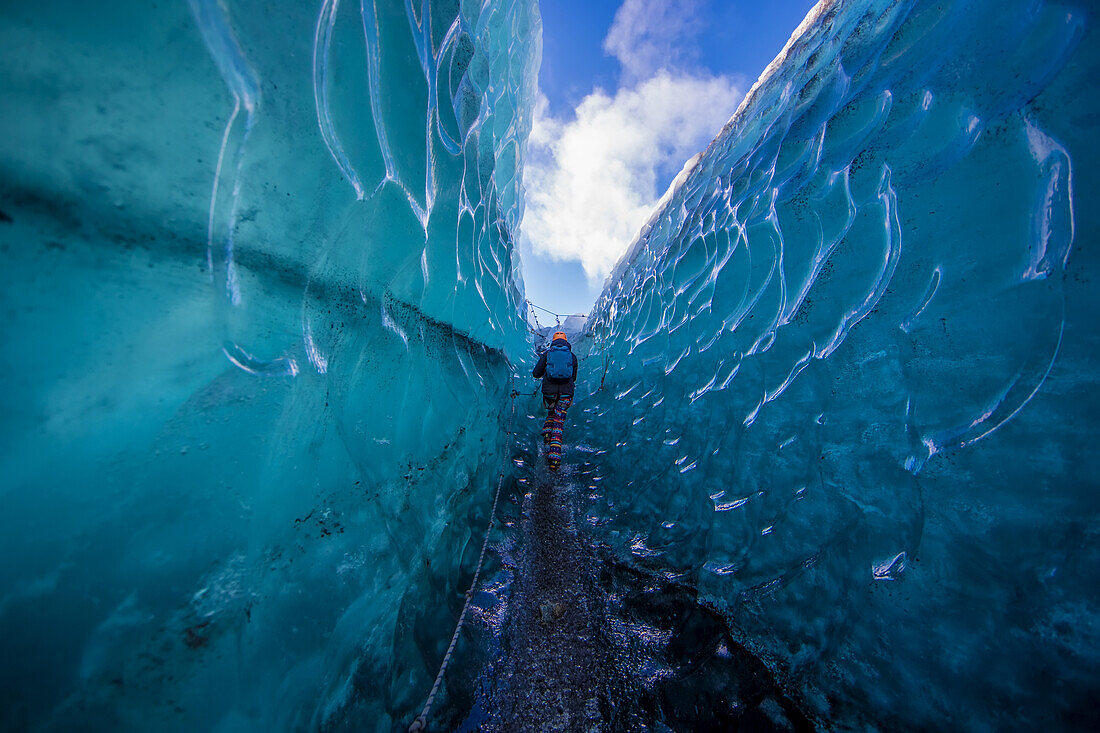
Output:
x,y
629,90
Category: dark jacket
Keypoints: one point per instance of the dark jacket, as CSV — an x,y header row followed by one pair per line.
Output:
x,y
554,387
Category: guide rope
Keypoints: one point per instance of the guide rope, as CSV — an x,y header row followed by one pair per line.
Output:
x,y
537,330
538,326
421,721
547,310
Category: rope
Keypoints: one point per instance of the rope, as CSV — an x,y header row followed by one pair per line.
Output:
x,y
538,326
557,317
421,721
547,310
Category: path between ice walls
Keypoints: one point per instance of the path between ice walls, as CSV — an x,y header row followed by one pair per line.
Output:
x,y
258,361
845,384
261,304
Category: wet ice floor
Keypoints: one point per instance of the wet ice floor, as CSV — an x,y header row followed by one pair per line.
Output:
x,y
557,669
592,643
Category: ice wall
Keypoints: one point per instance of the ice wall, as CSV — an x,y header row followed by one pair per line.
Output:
x,y
845,385
260,303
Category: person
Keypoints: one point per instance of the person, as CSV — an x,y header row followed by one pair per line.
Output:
x,y
557,368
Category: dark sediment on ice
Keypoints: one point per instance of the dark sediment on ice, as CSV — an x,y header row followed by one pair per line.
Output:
x,y
558,662
702,677
593,643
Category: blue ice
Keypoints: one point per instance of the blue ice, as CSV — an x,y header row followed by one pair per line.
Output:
x,y
862,318
264,314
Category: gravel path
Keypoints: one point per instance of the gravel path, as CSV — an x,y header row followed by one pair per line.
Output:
x,y
557,665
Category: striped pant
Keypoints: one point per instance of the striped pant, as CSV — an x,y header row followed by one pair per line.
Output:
x,y
552,429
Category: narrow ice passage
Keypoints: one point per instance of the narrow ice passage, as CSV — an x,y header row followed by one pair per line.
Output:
x,y
831,462
582,642
555,676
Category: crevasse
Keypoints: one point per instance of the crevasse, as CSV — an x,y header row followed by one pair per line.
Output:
x,y
832,449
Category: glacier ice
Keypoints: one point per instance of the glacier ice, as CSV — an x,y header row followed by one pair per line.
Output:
x,y
261,303
838,404
843,384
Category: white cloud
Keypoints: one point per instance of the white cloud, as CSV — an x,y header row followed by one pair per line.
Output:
x,y
649,35
592,181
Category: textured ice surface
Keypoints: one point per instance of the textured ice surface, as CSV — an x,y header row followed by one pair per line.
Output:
x,y
259,303
845,381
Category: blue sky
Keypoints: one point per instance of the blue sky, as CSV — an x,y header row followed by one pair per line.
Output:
x,y
629,91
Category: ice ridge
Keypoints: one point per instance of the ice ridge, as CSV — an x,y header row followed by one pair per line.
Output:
x,y
839,354
263,304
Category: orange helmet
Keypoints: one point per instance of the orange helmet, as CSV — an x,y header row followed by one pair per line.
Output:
x,y
559,335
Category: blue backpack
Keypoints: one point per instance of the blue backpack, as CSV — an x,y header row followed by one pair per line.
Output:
x,y
559,362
